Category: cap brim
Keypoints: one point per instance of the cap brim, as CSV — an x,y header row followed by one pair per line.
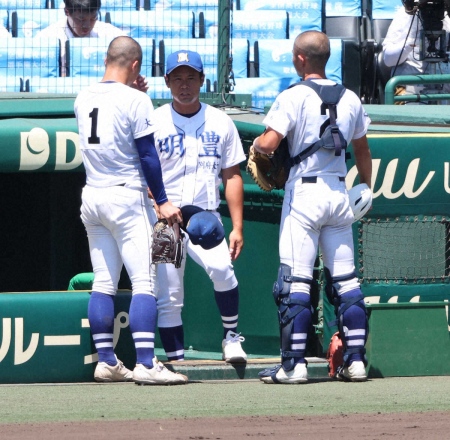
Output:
x,y
168,72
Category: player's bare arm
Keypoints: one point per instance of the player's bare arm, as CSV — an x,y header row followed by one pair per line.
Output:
x,y
268,142
234,195
363,160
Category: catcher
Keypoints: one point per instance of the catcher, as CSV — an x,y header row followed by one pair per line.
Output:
x,y
316,211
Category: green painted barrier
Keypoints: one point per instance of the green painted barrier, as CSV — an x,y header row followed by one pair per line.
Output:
x,y
46,337
44,244
408,339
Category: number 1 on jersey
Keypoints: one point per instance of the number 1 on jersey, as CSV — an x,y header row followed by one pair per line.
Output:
x,y
93,138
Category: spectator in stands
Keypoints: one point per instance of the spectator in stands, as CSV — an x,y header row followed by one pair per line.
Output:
x,y
4,32
401,51
81,21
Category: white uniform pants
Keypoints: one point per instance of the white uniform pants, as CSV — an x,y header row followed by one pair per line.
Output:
x,y
217,264
118,224
317,216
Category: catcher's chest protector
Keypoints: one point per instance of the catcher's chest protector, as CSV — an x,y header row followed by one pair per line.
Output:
x,y
330,135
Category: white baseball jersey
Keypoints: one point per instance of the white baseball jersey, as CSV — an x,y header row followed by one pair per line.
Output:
x,y
316,214
288,114
115,209
61,30
110,116
193,151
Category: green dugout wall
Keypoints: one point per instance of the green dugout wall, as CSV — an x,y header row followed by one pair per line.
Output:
x,y
44,244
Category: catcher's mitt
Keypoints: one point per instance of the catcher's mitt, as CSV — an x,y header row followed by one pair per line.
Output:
x,y
335,355
269,171
167,244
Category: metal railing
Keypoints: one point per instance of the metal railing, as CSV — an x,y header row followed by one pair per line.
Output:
x,y
390,97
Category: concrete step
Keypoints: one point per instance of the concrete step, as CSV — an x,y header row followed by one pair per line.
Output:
x,y
203,366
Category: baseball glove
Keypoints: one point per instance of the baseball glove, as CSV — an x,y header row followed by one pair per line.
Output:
x,y
335,355
167,244
269,171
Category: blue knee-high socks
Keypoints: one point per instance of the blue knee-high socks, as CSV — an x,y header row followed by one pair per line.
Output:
x,y
172,339
143,315
101,321
228,305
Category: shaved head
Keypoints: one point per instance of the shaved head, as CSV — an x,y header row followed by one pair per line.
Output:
x,y
315,46
123,51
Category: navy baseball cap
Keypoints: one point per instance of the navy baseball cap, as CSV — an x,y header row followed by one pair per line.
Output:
x,y
184,58
203,227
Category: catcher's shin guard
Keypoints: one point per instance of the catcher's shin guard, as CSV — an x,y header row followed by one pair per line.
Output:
x,y
289,306
351,317
353,325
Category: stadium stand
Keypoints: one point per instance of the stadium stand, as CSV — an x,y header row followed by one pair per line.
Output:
x,y
157,88
381,13
120,5
86,56
259,25
273,65
26,23
263,90
72,85
12,5
261,37
154,24
60,85
26,58
207,24
344,19
302,16
4,18
109,5
182,4
240,57
375,73
273,58
11,84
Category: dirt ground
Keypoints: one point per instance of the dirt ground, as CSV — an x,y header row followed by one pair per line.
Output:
x,y
411,426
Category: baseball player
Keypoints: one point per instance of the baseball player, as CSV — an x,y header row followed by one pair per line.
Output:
x,y
199,147
316,213
117,146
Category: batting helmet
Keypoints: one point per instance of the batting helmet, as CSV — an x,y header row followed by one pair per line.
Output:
x,y
360,197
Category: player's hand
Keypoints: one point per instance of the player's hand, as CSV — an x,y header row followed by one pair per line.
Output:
x,y
236,244
155,205
140,84
171,213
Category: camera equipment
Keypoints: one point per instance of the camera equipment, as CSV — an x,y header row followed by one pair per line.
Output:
x,y
433,37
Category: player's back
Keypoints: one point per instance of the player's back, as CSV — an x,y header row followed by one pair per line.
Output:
x,y
110,116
